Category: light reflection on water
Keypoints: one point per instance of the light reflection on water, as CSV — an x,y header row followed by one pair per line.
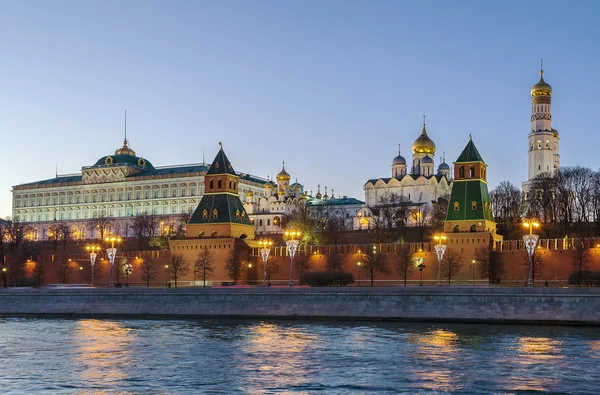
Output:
x,y
257,357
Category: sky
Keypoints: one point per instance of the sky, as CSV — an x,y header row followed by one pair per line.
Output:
x,y
331,87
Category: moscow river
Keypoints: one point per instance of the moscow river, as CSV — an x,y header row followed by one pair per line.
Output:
x,y
87,356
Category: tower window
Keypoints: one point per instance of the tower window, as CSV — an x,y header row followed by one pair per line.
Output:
x,y
539,145
215,213
204,214
471,171
473,205
531,146
461,172
212,184
547,144
539,167
456,206
219,184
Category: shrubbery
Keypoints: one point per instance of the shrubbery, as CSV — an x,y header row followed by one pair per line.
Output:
x,y
327,279
588,278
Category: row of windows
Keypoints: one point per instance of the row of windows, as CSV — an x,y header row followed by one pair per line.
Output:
x,y
539,145
119,212
473,206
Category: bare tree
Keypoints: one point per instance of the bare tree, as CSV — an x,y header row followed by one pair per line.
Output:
x,y
272,268
490,264
538,264
302,264
335,263
374,264
203,266
439,211
581,259
507,206
404,261
142,228
148,270
451,265
179,267
420,217
233,265
102,223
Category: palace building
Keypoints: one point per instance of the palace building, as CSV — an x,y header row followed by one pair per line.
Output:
x,y
119,187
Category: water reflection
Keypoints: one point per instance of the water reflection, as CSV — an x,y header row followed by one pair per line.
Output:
x,y
103,352
438,350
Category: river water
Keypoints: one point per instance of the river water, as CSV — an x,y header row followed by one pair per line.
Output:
x,y
86,356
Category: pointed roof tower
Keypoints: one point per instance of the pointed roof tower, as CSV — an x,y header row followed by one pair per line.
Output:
x,y
220,211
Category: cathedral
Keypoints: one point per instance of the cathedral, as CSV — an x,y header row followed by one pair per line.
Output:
x,y
543,157
418,183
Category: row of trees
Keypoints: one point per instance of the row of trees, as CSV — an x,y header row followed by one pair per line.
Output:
x,y
566,202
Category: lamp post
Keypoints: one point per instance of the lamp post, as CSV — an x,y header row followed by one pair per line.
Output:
x,y
166,276
440,249
292,246
530,243
92,250
264,254
4,276
112,253
127,269
81,274
421,265
473,270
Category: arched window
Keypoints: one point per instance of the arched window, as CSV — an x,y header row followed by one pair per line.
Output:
x,y
237,213
539,144
456,206
215,213
230,184
212,184
473,228
204,214
260,223
268,222
219,184
461,172
473,205
456,229
471,171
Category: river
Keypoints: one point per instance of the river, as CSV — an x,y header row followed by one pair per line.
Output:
x,y
87,356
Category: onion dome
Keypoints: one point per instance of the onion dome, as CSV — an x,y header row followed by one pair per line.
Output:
x,y
249,194
318,195
443,166
423,144
399,160
281,192
269,185
283,175
541,88
427,159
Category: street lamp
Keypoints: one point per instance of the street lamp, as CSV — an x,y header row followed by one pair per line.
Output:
x,y
421,265
127,269
264,254
440,249
4,276
112,253
292,246
530,243
92,250
473,270
166,276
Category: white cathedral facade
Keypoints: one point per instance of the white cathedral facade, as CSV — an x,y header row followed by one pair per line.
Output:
x,y
419,184
543,156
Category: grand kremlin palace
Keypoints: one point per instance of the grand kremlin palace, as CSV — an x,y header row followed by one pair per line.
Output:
x,y
119,187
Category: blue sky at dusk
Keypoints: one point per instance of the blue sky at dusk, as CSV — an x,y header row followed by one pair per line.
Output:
x,y
331,87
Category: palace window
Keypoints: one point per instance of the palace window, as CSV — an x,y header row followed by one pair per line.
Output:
x,y
193,191
174,192
137,195
156,194
165,193
456,206
147,195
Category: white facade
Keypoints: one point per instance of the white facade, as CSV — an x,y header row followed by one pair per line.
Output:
x,y
543,141
421,185
119,186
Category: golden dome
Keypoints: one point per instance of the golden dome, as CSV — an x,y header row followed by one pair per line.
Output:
x,y
283,175
541,88
269,185
423,144
249,193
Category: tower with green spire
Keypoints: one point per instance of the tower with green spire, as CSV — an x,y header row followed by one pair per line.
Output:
x,y
470,209
220,213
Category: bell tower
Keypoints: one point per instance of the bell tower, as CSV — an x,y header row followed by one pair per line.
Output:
x,y
543,156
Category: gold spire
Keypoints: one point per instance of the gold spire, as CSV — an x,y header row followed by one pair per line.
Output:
x,y
541,88
423,144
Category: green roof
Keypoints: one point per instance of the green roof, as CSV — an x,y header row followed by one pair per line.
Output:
x,y
221,165
466,192
333,202
470,154
226,205
124,159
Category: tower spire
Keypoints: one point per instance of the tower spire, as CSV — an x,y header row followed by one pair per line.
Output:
x,y
541,67
398,149
125,140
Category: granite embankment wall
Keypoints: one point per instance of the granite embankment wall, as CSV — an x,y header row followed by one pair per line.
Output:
x,y
500,305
